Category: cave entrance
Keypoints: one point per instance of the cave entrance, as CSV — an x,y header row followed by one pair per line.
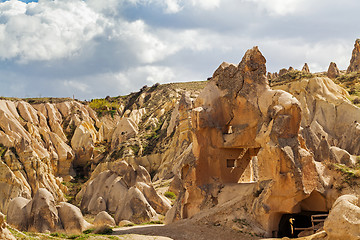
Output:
x,y
292,224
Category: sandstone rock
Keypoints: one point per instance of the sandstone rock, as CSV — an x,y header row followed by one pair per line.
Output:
x,y
355,58
124,223
103,218
39,214
135,208
83,142
326,111
333,71
235,118
17,213
282,71
341,156
112,188
306,68
11,186
125,129
72,219
43,213
343,221
5,234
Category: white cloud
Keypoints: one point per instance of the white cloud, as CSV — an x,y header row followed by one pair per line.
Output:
x,y
46,30
172,6
206,4
77,85
281,7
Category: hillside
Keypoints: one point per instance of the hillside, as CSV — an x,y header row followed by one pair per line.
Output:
x,y
240,151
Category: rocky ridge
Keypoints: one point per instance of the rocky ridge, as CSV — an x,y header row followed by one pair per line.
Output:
x,y
236,143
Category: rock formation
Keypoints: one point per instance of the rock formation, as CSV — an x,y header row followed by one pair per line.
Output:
x,y
123,190
355,58
41,214
326,112
343,222
36,144
305,68
333,71
237,120
5,234
103,218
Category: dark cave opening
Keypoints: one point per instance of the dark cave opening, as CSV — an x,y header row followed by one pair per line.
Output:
x,y
291,225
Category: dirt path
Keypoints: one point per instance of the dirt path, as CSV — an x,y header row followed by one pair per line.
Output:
x,y
184,231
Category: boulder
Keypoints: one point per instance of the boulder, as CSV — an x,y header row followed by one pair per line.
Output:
x,y
12,185
5,234
38,215
124,223
135,208
17,213
103,218
116,187
333,71
43,214
355,58
72,219
343,222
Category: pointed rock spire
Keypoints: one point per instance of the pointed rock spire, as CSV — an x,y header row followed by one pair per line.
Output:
x,y
355,58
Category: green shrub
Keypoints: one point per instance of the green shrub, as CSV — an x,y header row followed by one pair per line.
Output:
x,y
170,195
103,107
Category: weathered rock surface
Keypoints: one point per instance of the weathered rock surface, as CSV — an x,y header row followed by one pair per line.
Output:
x,y
237,117
103,218
41,214
5,234
123,190
72,219
355,58
343,221
305,68
35,139
333,71
326,113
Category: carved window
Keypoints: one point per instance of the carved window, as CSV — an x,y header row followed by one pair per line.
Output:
x,y
230,163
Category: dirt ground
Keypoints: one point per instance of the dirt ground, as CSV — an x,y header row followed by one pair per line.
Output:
x,y
184,231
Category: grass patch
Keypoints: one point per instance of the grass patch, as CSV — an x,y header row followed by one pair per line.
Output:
x,y
135,148
350,174
104,107
170,195
3,150
348,77
290,76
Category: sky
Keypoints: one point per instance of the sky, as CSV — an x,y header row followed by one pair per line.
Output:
x,y
95,48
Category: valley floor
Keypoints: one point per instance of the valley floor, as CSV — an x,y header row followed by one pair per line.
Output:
x,y
184,231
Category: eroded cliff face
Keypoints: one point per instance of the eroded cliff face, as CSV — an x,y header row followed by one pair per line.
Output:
x,y
36,149
246,134
45,145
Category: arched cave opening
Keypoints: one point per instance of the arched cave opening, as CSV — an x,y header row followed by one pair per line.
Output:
x,y
291,225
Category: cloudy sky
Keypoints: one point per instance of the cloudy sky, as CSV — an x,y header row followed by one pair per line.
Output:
x,y
96,48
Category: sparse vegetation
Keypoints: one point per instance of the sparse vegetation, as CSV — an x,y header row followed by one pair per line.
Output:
x,y
104,106
290,76
350,174
170,195
3,150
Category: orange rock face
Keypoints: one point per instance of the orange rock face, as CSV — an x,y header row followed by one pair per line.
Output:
x,y
237,120
355,58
